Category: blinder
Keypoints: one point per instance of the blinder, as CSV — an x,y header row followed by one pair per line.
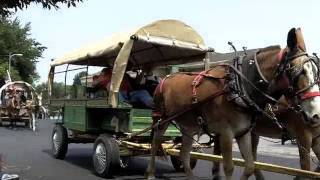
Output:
x,y
292,72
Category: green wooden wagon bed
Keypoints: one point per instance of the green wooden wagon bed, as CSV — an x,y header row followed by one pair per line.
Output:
x,y
104,120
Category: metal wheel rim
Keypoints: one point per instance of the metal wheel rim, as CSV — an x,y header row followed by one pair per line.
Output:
x,y
100,157
56,141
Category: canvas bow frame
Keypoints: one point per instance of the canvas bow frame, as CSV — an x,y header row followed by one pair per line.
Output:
x,y
161,43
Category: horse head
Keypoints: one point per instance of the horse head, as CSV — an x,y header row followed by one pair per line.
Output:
x,y
298,75
13,104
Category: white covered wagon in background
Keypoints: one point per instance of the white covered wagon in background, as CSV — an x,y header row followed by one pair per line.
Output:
x,y
19,104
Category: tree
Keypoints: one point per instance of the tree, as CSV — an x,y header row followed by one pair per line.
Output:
x,y
59,90
77,83
77,77
15,38
7,7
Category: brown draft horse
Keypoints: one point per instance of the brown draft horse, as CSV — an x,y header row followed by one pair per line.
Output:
x,y
305,131
17,108
223,117
13,104
307,134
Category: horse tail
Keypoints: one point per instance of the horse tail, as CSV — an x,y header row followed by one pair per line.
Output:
x,y
158,110
158,114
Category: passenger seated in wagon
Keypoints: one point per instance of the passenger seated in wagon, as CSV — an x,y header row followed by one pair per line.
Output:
x,y
129,91
149,80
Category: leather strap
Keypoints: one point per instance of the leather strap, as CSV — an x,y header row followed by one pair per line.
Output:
x,y
309,95
195,83
253,86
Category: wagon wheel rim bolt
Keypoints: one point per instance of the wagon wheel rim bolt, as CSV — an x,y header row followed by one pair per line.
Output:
x,y
56,141
100,154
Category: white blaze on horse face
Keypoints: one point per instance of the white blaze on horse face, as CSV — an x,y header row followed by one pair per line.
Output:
x,y
311,106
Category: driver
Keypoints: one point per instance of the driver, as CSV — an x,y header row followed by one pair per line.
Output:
x,y
127,92
132,93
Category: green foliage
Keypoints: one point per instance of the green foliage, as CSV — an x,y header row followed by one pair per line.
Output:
x,y
3,72
77,77
15,38
58,90
77,84
7,7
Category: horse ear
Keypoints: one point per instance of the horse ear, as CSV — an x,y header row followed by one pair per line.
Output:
x,y
295,39
292,39
300,40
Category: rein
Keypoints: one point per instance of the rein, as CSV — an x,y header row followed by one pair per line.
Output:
x,y
224,91
171,118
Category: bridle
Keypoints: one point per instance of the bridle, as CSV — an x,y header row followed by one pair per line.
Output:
x,y
293,72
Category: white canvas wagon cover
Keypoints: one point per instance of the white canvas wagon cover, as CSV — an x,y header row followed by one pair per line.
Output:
x,y
162,42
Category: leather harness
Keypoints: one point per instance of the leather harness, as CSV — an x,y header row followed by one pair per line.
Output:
x,y
245,86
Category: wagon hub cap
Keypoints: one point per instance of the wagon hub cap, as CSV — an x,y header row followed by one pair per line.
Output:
x,y
56,141
100,156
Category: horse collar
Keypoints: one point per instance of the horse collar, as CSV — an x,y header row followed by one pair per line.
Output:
x,y
251,70
281,55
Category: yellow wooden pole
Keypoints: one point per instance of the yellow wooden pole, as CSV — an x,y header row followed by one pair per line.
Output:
x,y
238,162
258,165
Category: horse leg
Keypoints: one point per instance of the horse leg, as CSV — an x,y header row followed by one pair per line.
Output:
x,y
304,144
316,150
244,143
255,142
30,122
226,149
186,148
34,127
216,165
156,144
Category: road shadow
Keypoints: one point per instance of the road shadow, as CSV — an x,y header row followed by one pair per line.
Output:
x,y
17,128
82,157
79,157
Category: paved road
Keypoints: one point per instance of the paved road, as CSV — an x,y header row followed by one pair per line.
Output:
x,y
28,154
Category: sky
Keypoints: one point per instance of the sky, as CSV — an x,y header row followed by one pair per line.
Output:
x,y
250,23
